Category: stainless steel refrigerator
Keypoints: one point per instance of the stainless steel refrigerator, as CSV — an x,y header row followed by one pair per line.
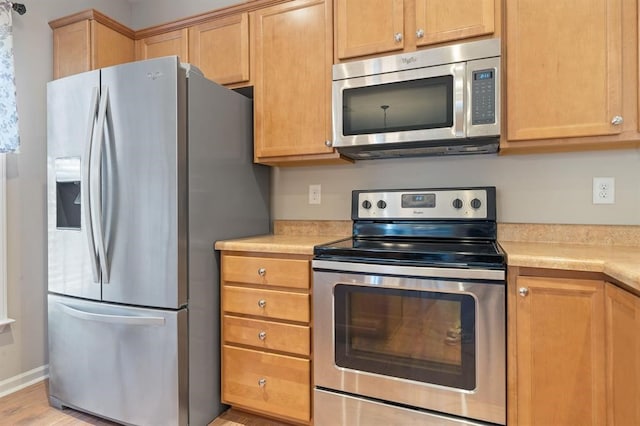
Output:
x,y
149,163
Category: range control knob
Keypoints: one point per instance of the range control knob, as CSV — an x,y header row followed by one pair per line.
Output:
x,y
382,204
475,204
366,204
457,203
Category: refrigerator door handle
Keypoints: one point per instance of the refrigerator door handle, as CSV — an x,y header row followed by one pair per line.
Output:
x,y
85,197
112,319
96,185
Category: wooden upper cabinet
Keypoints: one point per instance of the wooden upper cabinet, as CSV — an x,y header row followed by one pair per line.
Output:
x,y
371,27
166,44
560,344
365,27
292,83
564,68
220,49
444,20
89,40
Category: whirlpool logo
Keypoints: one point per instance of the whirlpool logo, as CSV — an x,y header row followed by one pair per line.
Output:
x,y
408,60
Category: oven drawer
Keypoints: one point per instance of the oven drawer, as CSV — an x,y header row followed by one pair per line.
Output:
x,y
266,303
274,384
267,335
292,273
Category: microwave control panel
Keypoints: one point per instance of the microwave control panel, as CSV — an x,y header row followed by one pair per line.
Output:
x,y
483,97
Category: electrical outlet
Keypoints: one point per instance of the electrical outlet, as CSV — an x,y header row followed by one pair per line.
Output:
x,y
314,194
603,190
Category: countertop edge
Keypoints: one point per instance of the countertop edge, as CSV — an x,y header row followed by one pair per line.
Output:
x,y
620,263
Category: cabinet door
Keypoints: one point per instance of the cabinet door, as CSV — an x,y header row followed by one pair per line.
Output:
x,y
110,47
564,68
444,20
623,356
220,49
292,91
365,27
170,43
71,49
560,351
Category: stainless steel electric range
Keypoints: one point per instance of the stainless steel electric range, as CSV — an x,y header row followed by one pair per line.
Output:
x,y
409,312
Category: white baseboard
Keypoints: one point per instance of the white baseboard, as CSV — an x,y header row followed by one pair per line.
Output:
x,y
28,378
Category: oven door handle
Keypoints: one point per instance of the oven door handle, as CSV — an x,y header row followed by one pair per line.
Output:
x,y
411,271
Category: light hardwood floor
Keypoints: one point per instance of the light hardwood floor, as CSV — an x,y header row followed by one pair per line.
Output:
x,y
30,407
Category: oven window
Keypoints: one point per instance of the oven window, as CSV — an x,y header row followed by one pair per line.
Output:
x,y
417,335
394,107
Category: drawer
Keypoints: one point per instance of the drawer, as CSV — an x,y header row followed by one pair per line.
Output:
x,y
266,303
269,335
266,271
275,384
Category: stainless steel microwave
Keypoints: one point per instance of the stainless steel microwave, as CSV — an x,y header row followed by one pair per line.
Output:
x,y
439,101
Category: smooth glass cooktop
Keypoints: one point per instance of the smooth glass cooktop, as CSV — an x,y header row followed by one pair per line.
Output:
x,y
413,251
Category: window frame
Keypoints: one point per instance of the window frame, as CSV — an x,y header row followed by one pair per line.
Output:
x,y
4,312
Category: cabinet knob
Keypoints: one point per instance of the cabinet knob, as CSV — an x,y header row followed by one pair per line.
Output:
x,y
262,272
262,335
523,291
328,144
262,303
262,382
397,37
420,33
617,120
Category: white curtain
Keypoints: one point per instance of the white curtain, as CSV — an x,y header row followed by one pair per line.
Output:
x,y
9,137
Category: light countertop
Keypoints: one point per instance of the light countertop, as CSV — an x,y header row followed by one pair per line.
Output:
x,y
622,263
619,262
284,244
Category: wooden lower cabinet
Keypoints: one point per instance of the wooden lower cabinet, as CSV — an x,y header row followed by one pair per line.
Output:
x,y
574,351
623,356
278,385
266,334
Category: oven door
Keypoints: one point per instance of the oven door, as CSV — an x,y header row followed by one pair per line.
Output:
x,y
388,333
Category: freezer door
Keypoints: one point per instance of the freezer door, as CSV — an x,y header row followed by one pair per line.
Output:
x,y
71,120
125,364
144,184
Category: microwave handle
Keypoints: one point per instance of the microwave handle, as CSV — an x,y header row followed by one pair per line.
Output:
x,y
459,71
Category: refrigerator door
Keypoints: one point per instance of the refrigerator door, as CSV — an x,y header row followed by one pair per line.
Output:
x,y
144,197
126,364
72,105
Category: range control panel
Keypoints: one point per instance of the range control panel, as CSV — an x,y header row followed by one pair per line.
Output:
x,y
425,204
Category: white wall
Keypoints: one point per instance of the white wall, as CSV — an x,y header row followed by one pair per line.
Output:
x,y
23,347
148,13
550,188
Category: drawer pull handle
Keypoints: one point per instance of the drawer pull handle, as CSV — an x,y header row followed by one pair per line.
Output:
x,y
262,335
262,382
262,303
617,120
523,291
262,272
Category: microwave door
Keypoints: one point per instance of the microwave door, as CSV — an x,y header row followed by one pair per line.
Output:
x,y
403,106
